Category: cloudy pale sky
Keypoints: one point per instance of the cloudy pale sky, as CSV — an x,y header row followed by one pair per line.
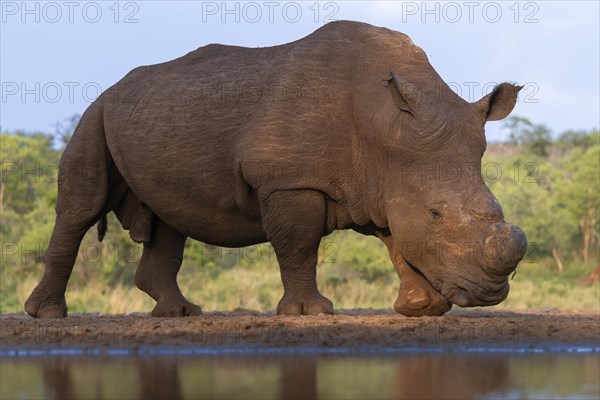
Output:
x,y
57,56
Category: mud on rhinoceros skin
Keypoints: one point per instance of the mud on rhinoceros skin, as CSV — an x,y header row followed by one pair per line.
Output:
x,y
185,149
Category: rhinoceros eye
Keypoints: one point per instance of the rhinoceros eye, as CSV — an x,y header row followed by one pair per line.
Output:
x,y
435,213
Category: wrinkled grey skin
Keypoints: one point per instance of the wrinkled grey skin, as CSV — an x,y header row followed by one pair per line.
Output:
x,y
343,129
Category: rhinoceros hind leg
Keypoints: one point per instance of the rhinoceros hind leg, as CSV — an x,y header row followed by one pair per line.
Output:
x,y
294,222
157,272
48,298
82,192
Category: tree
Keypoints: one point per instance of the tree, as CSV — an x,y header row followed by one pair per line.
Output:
x,y
536,138
557,203
530,201
64,131
28,191
29,167
581,138
579,192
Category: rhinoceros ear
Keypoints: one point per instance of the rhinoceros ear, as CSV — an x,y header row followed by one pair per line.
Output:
x,y
402,92
499,103
408,97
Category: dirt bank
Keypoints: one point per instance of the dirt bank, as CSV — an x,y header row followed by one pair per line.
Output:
x,y
348,329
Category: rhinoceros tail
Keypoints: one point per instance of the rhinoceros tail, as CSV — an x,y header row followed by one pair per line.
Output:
x,y
102,227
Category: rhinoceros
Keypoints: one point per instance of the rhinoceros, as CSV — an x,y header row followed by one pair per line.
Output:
x,y
347,128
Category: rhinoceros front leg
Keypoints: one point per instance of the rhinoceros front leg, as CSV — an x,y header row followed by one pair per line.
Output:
x,y
157,272
294,222
416,297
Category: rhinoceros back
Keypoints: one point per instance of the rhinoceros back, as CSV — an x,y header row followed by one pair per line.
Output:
x,y
220,123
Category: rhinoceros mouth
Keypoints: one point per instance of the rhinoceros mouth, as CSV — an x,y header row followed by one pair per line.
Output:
x,y
418,271
459,294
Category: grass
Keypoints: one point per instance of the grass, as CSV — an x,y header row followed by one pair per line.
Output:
x,y
258,287
539,285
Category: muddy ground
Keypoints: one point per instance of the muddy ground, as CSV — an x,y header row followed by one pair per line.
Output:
x,y
352,329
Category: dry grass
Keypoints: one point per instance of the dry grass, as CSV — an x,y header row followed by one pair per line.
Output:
x,y
259,288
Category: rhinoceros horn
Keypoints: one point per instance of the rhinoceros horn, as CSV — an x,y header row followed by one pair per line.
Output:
x,y
429,116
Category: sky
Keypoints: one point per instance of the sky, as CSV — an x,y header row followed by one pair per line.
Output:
x,y
57,56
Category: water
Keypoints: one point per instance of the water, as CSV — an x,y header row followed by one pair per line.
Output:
x,y
187,374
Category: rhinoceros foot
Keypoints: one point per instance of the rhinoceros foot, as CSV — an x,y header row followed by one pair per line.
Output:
x,y
178,307
41,304
420,302
304,305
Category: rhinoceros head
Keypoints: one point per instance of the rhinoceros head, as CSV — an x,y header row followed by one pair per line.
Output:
x,y
444,220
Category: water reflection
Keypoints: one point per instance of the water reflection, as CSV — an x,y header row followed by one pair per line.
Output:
x,y
302,376
57,378
457,377
159,378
